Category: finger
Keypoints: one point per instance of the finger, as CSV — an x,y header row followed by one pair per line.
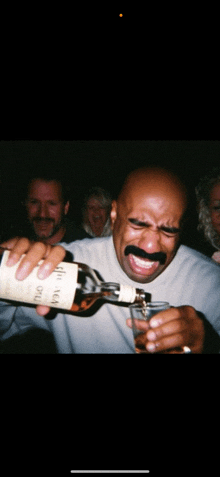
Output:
x,y
162,338
141,325
42,310
53,258
173,333
36,252
166,329
140,343
18,247
177,340
9,244
167,347
164,317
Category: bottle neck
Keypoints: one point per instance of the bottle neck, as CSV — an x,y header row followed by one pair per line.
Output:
x,y
141,296
122,293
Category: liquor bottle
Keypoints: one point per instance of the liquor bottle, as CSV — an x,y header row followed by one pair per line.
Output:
x,y
71,286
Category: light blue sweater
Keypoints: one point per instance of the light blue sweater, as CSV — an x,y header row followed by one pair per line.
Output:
x,y
190,279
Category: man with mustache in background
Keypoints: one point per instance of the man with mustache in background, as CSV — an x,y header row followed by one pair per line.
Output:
x,y
46,210
145,252
46,206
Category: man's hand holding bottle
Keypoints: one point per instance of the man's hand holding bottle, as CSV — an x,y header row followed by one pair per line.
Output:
x,y
34,252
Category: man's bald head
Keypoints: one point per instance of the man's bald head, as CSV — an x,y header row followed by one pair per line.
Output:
x,y
147,219
146,179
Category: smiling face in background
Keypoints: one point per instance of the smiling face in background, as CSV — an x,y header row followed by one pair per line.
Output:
x,y
46,210
148,216
96,215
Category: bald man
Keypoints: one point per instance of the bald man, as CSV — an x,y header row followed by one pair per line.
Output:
x,y
145,252
148,215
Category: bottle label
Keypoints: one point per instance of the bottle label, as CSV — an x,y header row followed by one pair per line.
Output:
x,y
57,291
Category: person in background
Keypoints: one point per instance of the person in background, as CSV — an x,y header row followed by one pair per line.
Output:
x,y
46,206
1,200
208,200
96,213
143,251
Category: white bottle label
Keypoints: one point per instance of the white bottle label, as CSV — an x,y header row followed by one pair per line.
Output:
x,y
57,291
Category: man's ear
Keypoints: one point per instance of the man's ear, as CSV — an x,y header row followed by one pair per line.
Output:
x,y
66,208
113,213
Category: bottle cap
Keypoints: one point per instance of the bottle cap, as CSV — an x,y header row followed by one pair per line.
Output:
x,y
127,294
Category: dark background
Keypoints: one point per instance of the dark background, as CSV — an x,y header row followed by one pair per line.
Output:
x,y
126,78
102,163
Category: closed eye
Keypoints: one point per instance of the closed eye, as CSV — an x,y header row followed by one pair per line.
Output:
x,y
32,201
138,223
170,230
163,228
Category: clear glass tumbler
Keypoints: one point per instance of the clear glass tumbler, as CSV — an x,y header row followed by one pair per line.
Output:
x,y
144,313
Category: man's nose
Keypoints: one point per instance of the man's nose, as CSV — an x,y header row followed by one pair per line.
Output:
x,y
42,210
97,210
150,241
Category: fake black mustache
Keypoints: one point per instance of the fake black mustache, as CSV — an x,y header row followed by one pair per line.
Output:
x,y
155,257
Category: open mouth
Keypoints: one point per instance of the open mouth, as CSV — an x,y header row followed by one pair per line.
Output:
x,y
142,266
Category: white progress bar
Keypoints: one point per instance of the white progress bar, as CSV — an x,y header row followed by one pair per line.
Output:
x,y
110,471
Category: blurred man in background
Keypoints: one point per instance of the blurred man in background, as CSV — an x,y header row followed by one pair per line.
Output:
x,y
46,205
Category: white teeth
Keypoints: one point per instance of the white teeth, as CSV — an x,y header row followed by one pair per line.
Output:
x,y
142,263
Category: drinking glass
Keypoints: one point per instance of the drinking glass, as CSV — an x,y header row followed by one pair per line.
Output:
x,y
145,312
